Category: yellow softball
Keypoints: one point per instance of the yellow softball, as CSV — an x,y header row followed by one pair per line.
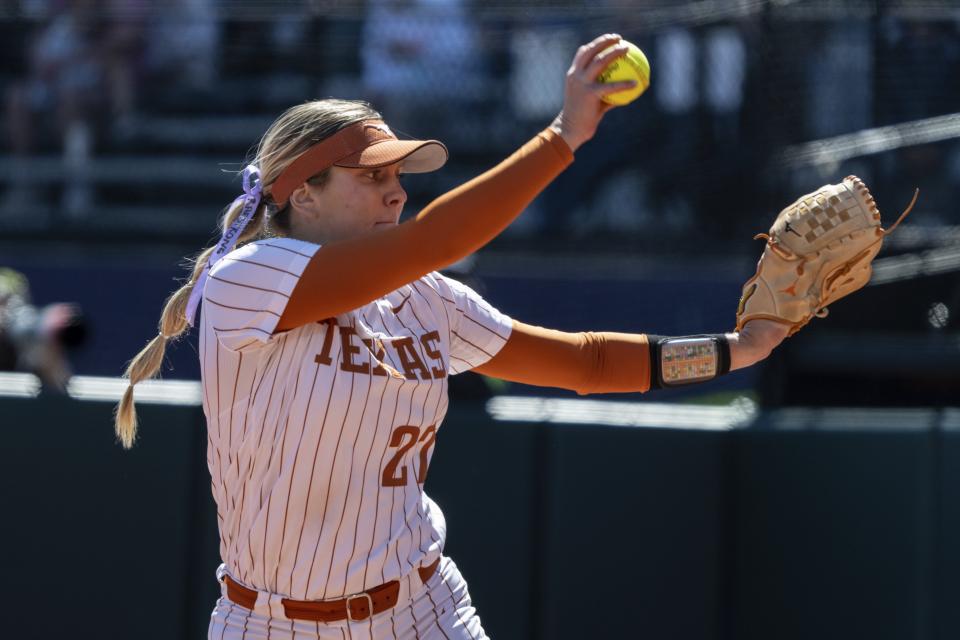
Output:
x,y
632,66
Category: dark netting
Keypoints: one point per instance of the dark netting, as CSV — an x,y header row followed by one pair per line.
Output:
x,y
121,113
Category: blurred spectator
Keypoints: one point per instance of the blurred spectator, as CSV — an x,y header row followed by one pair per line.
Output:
x,y
918,63
677,95
725,70
420,58
121,50
80,60
840,79
35,340
337,33
182,43
918,66
538,63
724,153
675,85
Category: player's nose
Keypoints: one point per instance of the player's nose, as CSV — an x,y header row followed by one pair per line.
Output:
x,y
396,195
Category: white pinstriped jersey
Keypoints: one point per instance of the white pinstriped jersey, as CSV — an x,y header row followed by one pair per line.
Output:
x,y
319,438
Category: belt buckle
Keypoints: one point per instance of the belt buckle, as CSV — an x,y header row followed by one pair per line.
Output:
x,y
369,606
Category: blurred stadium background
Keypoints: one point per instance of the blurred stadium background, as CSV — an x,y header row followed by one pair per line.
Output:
x,y
814,496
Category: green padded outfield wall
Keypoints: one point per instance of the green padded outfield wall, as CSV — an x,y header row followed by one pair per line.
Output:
x,y
946,535
817,524
101,542
835,518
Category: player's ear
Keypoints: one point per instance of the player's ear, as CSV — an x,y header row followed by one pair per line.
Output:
x,y
302,197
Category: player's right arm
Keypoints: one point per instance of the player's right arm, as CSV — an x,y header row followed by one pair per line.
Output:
x,y
345,275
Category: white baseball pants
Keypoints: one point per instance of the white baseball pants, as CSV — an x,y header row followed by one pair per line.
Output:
x,y
438,610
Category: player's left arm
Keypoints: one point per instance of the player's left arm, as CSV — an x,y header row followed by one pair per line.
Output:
x,y
608,362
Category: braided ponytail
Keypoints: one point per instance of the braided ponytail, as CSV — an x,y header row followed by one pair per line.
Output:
x,y
295,131
173,323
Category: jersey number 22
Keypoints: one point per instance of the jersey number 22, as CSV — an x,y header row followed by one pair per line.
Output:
x,y
403,438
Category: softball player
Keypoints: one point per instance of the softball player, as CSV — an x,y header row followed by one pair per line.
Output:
x,y
326,339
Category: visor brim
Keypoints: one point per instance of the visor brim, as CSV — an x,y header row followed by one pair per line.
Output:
x,y
418,156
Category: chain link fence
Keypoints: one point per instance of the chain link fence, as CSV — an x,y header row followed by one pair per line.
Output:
x,y
125,115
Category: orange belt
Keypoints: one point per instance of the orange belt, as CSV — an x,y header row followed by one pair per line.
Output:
x,y
356,607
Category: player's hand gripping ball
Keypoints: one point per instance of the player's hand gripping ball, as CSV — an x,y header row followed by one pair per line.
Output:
x,y
632,66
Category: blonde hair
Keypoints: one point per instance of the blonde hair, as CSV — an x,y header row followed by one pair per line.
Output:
x,y
291,134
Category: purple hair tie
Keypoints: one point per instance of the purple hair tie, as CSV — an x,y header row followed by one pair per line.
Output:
x,y
251,200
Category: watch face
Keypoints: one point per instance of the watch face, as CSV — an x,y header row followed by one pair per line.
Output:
x,y
686,360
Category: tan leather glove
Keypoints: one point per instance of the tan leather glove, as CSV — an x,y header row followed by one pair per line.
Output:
x,y
819,250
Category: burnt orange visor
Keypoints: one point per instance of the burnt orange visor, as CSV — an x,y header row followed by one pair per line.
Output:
x,y
365,144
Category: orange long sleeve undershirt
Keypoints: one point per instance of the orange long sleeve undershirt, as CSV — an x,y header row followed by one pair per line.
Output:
x,y
588,362
345,275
